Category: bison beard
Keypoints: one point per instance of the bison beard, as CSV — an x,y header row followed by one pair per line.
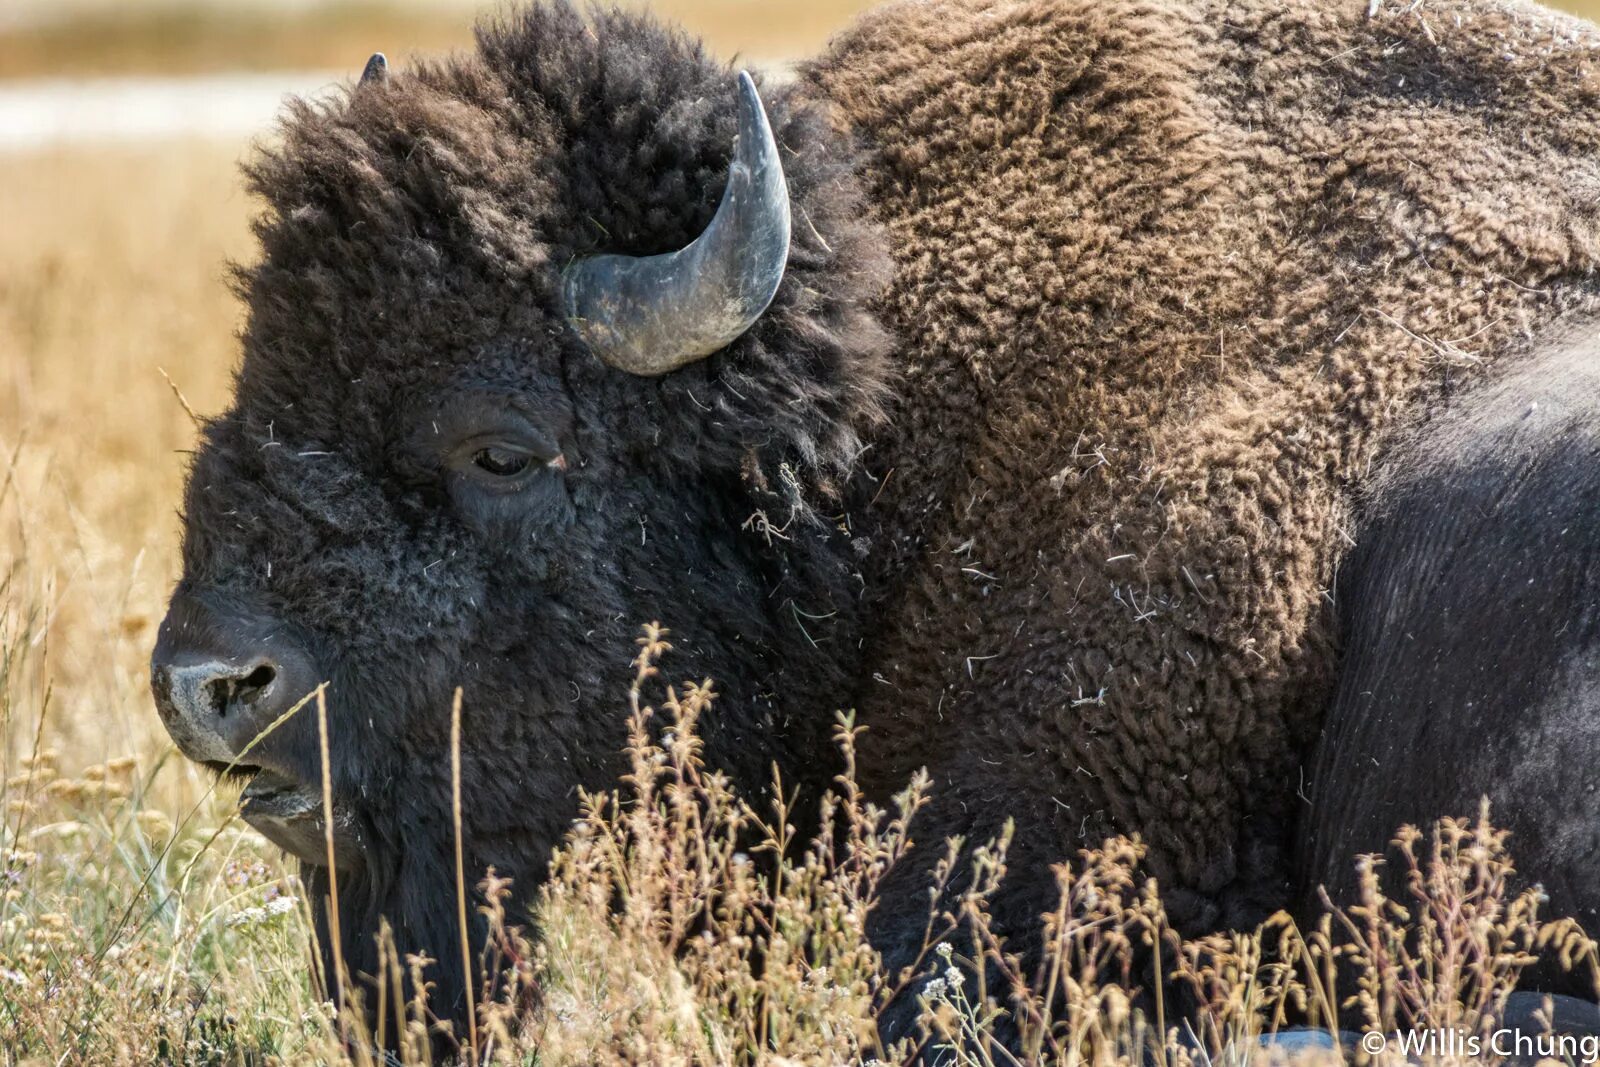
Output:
x,y
1162,281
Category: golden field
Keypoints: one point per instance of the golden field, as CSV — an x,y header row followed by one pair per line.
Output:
x,y
141,922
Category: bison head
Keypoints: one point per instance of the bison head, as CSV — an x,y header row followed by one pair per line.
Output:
x,y
523,368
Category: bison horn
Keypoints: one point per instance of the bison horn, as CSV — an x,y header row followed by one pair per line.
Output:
x,y
376,71
653,314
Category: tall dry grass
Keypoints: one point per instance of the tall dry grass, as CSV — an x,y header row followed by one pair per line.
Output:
x,y
127,884
685,925
111,271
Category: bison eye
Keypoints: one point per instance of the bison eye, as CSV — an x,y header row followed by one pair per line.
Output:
x,y
501,462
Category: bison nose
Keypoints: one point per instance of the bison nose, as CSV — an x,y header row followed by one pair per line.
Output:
x,y
215,693
219,682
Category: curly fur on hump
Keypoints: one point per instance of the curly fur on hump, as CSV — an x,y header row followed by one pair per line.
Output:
x,y
1163,278
1168,275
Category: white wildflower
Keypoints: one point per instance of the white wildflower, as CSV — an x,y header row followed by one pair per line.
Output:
x,y
954,977
255,916
944,949
565,1008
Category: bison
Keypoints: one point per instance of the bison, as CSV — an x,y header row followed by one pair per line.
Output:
x,y
1017,374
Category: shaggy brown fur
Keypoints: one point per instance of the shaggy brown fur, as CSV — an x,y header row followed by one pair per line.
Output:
x,y
1165,279
1168,276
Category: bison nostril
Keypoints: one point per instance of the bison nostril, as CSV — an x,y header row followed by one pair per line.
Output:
x,y
231,693
249,688
218,694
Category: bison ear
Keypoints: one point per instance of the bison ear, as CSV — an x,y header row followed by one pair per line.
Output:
x,y
653,314
376,72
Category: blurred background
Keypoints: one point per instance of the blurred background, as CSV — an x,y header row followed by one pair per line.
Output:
x,y
121,126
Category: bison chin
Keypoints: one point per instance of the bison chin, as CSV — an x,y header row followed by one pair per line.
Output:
x,y
399,902
292,816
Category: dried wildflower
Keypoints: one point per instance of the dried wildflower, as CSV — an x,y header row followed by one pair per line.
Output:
x,y
155,825
65,789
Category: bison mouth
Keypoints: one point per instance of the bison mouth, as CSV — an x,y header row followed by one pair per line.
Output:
x,y
291,815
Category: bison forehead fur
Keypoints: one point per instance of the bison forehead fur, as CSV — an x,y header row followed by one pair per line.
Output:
x,y
1160,280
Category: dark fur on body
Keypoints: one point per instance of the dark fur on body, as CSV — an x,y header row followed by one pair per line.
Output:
x,y
1161,279
1470,611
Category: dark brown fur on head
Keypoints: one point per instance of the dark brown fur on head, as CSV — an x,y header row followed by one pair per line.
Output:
x,y
412,242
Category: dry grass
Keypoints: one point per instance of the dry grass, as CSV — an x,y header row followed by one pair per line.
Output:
x,y
111,267
124,877
684,926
